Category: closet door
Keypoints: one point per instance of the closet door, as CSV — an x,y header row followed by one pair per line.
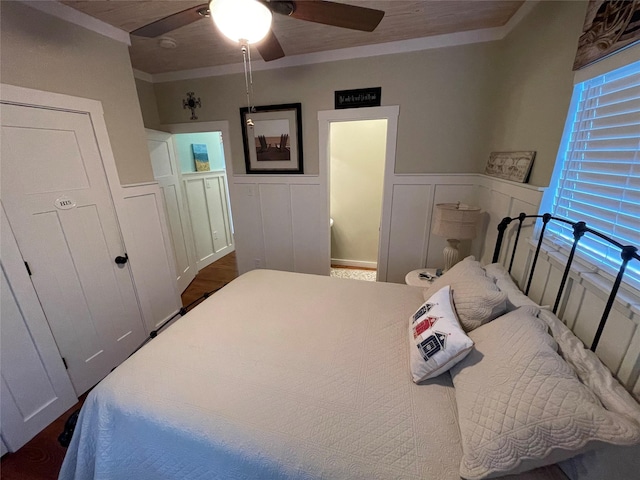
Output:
x,y
35,387
165,171
58,203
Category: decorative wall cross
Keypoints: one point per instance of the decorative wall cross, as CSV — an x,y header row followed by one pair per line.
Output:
x,y
191,102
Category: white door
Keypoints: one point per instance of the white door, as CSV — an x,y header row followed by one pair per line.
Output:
x,y
166,172
55,193
35,387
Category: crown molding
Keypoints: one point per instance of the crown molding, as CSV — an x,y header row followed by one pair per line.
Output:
x,y
71,15
389,48
523,11
140,75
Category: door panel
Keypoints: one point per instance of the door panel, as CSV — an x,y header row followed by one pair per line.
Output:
x,y
59,205
165,171
35,386
216,201
199,215
36,173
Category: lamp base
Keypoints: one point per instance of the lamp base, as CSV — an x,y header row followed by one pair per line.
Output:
x,y
451,253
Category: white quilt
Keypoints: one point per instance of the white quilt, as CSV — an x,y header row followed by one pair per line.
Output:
x,y
278,375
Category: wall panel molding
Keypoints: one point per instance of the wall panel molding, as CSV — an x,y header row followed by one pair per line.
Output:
x,y
146,233
279,223
207,197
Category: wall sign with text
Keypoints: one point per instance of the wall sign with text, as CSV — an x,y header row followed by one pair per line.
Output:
x,y
362,97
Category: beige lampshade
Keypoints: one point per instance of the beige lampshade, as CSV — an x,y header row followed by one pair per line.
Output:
x,y
455,220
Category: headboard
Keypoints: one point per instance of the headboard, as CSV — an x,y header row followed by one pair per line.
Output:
x,y
628,253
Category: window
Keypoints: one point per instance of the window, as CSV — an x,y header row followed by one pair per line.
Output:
x,y
597,176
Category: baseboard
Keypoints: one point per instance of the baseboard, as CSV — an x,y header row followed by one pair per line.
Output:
x,y
354,263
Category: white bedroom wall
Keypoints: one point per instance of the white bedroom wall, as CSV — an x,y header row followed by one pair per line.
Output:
x,y
148,104
533,85
441,92
46,53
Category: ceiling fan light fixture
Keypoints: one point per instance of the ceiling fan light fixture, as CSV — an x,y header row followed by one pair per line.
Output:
x,y
247,20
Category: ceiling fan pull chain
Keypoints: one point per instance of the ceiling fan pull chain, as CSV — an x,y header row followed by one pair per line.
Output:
x,y
245,48
251,96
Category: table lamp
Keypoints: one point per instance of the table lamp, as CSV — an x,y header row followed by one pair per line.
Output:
x,y
455,222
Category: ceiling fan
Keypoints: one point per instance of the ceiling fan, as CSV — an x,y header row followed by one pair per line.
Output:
x,y
318,11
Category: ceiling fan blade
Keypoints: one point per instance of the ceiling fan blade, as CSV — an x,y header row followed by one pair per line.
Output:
x,y
172,22
270,48
338,14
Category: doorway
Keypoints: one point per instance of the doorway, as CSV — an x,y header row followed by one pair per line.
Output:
x,y
202,164
387,116
356,155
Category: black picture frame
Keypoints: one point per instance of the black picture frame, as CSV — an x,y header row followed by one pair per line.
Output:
x,y
273,139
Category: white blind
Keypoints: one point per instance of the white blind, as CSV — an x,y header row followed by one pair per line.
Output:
x,y
600,179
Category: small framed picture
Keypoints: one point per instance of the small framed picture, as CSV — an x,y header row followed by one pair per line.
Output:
x,y
272,138
200,157
514,166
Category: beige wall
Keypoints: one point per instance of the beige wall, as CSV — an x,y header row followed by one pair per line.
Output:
x,y
45,53
444,109
357,151
534,84
148,104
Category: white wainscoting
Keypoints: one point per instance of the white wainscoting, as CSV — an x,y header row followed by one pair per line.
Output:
x,y
406,240
281,223
501,198
582,304
146,234
209,212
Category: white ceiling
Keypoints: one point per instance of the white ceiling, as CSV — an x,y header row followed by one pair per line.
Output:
x,y
200,45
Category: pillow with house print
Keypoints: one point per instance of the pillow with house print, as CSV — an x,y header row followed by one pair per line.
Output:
x,y
436,339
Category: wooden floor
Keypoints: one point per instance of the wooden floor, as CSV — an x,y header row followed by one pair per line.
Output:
x,y
41,458
210,278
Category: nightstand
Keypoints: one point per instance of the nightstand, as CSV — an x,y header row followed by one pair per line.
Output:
x,y
412,278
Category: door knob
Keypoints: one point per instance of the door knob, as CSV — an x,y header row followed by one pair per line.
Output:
x,y
122,260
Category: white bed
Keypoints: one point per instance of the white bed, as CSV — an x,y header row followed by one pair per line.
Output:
x,y
278,375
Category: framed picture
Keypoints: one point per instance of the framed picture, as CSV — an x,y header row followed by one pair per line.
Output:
x,y
514,166
200,156
608,27
273,139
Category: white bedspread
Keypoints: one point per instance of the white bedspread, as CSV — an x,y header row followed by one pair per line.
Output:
x,y
278,375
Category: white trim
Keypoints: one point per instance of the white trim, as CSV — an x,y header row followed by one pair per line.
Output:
x,y
390,113
353,263
71,15
13,94
205,127
144,76
275,179
389,48
142,184
524,10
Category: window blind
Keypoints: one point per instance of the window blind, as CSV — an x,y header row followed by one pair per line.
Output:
x,y
600,177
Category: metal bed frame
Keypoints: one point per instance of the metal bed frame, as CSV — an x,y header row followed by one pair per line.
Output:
x,y
627,253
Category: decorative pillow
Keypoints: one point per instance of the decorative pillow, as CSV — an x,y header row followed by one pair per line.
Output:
x,y
521,406
613,461
436,338
476,297
503,280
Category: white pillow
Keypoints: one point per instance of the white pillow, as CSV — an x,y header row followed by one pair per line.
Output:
x,y
476,297
436,338
521,406
503,280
